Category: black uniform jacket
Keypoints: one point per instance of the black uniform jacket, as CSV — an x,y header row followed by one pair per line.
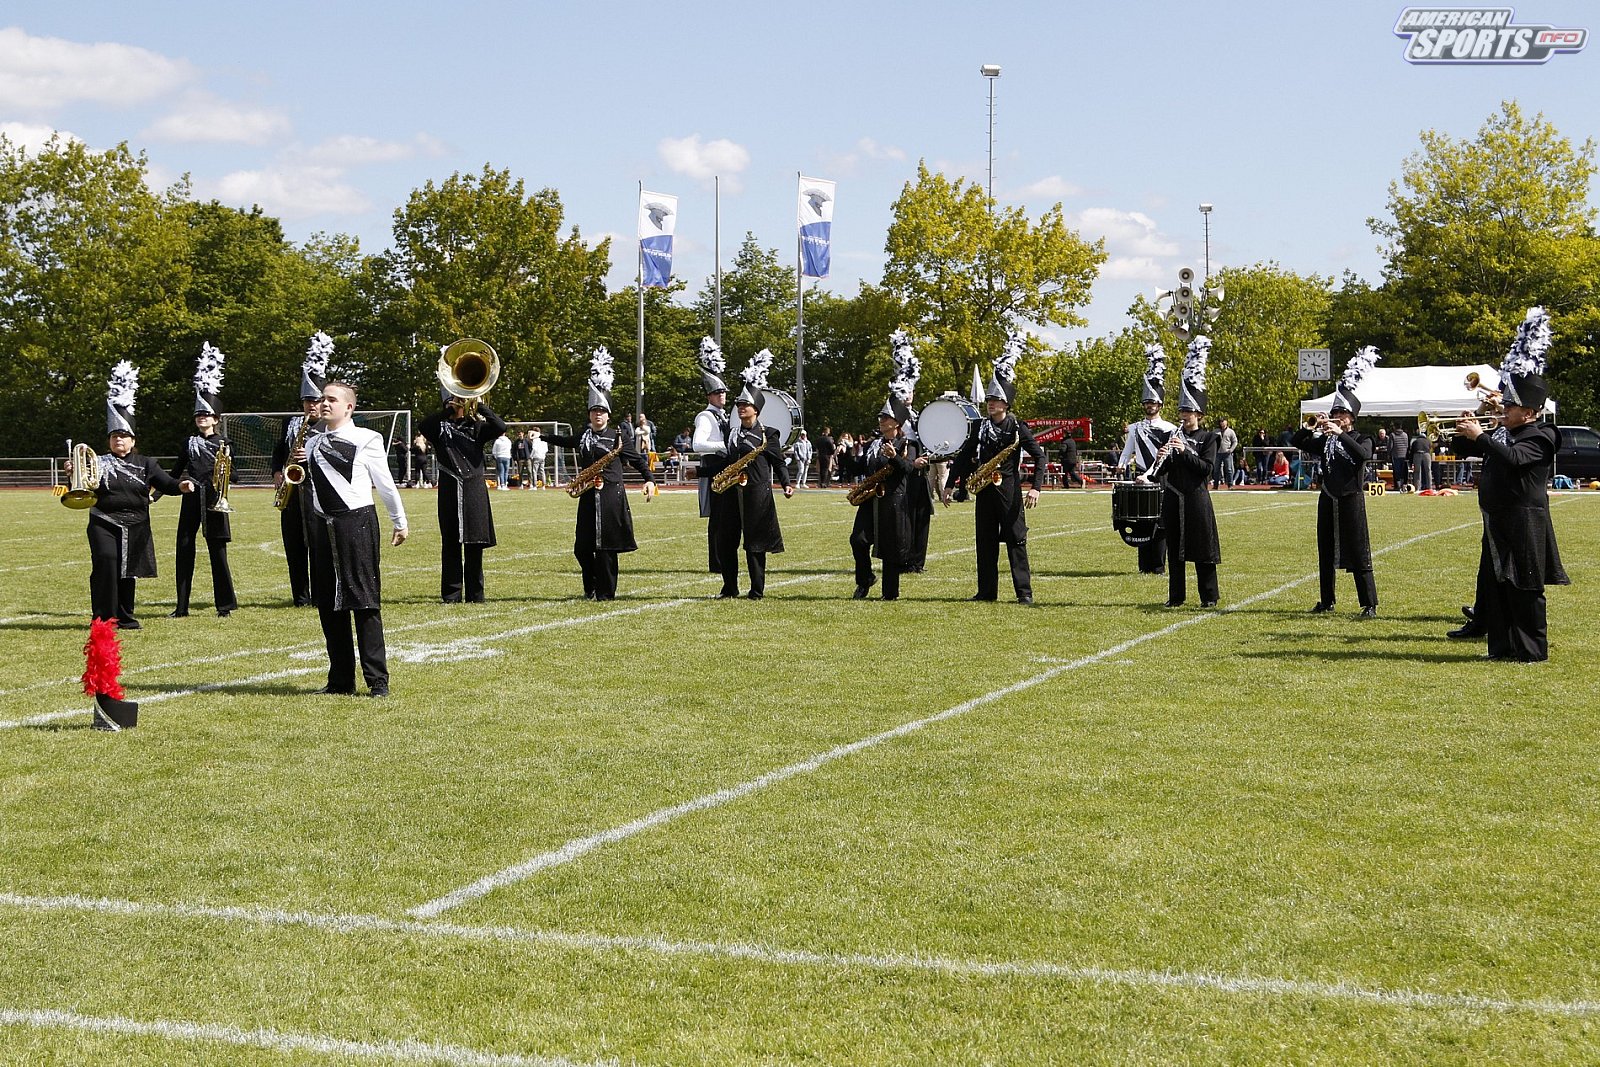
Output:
x,y
1515,501
198,462
891,522
1186,512
1342,505
122,505
758,513
464,514
605,523
1000,503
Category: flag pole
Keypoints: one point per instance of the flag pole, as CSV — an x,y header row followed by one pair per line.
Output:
x,y
638,391
716,229
799,319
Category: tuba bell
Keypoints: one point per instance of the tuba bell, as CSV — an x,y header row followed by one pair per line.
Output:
x,y
468,369
84,478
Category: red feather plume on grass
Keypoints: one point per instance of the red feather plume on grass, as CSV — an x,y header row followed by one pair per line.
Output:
x,y
102,660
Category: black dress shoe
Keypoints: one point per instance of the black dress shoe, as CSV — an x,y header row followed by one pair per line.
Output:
x,y
1469,632
330,691
223,613
726,595
379,693
1321,607
860,593
1208,603
889,596
1369,612
130,624
1025,601
174,615
753,595
982,598
1470,612
1174,604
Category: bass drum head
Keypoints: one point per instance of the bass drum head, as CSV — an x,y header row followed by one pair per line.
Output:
x,y
944,425
780,411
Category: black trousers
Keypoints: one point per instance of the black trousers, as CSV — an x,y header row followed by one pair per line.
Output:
x,y
861,549
599,568
1328,573
1402,472
1153,554
461,567
190,519
110,594
336,624
1177,582
292,525
989,563
755,563
1514,619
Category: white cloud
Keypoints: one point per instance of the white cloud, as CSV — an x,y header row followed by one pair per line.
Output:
x,y
1054,187
1127,233
32,137
39,73
848,163
688,156
206,118
1134,269
352,150
297,193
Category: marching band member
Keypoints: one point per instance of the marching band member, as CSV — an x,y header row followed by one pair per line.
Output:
x,y
709,442
886,523
121,548
920,493
1145,439
295,515
605,523
1519,556
1342,539
197,465
998,506
751,515
466,520
344,465
1186,515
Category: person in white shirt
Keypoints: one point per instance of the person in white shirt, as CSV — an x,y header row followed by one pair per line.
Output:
x,y
803,452
501,451
538,448
345,465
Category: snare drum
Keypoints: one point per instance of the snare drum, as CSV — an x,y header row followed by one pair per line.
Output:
x,y
945,424
780,411
1135,511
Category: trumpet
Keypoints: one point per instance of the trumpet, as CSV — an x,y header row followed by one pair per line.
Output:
x,y
468,369
1491,403
84,476
1439,426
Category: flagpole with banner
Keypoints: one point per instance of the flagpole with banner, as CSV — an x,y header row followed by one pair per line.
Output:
x,y
658,220
814,220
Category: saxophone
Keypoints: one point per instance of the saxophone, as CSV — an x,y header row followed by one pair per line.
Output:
x,y
293,473
988,473
733,474
589,477
871,486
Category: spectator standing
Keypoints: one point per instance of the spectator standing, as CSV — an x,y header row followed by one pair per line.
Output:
x,y
644,436
1227,445
825,447
501,450
519,458
1399,458
1069,463
803,453
1422,461
419,461
538,448
1261,447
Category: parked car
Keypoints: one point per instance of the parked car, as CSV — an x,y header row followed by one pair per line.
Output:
x,y
1579,456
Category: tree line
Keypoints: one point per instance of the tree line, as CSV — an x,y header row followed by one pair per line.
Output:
x,y
95,266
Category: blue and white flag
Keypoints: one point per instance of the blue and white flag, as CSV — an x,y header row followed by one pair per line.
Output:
x,y
658,218
816,226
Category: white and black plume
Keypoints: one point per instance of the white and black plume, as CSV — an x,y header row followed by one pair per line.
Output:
x,y
123,386
755,375
1155,361
1531,349
317,355
208,370
907,367
710,356
1357,368
1195,360
1005,365
601,375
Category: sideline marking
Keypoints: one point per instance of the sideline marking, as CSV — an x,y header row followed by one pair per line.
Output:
x,y
410,1050
579,847
352,924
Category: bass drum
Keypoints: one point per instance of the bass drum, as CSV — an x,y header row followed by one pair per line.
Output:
x,y
945,424
781,412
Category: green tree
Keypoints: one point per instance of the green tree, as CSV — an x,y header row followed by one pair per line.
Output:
x,y
1270,314
92,270
758,309
476,255
967,271
1479,230
1099,378
848,359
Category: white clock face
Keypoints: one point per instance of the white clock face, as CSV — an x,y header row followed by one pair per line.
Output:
x,y
1314,365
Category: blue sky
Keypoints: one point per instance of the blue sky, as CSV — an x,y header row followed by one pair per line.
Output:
x,y
1292,119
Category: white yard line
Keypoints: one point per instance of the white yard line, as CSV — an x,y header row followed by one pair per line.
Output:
x,y
358,924
410,1050
582,846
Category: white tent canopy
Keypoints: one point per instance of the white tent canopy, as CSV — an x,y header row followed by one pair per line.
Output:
x,y
1396,391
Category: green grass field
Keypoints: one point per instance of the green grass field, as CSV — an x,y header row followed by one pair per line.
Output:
x,y
1107,832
